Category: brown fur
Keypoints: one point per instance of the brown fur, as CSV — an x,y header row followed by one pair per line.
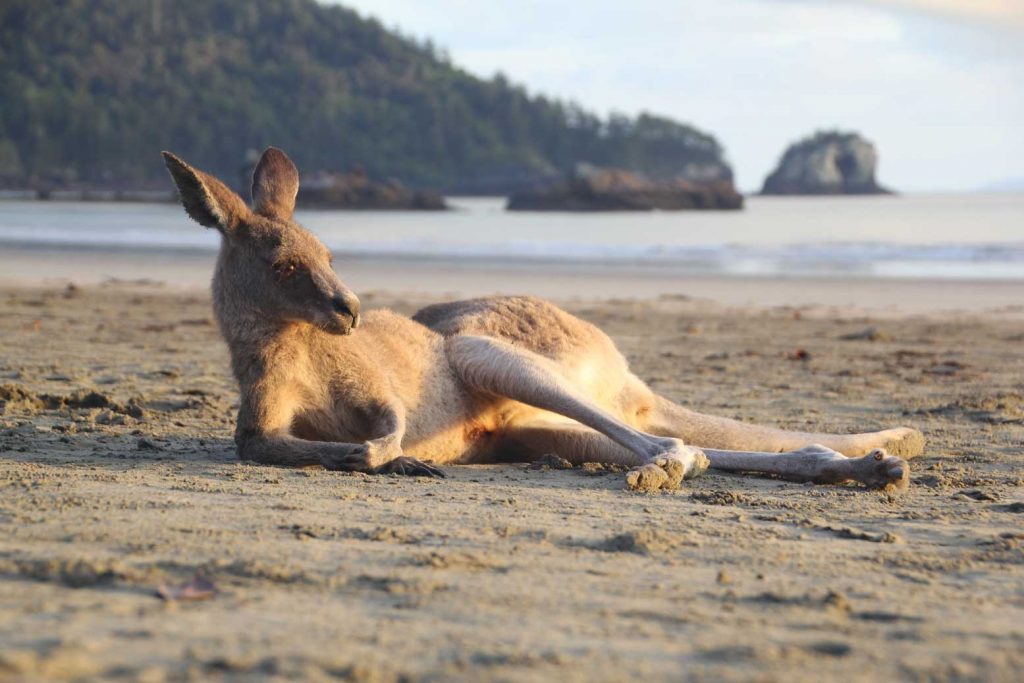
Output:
x,y
470,381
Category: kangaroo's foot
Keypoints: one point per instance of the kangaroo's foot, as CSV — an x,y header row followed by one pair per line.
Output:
x,y
900,441
903,442
877,469
818,464
410,467
667,470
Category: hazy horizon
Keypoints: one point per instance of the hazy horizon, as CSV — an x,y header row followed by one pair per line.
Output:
x,y
936,84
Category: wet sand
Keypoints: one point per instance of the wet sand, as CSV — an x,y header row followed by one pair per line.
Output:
x,y
846,292
118,475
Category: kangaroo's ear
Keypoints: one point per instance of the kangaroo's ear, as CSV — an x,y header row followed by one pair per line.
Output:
x,y
207,200
275,184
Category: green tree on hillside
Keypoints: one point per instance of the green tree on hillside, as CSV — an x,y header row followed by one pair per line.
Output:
x,y
92,89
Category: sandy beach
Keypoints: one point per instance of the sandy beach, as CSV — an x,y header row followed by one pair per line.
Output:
x,y
439,280
118,476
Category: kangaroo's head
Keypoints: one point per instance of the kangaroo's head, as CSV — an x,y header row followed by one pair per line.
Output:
x,y
269,266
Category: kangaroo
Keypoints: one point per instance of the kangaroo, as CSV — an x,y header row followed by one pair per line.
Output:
x,y
487,380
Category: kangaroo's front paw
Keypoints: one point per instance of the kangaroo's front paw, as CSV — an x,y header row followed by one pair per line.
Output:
x,y
410,467
347,458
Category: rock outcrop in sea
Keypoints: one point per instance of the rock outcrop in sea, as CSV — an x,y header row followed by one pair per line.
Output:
x,y
829,162
355,190
606,189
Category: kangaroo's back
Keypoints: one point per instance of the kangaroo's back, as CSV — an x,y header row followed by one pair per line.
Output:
x,y
529,322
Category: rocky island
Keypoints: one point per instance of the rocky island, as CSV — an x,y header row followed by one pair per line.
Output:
x,y
355,190
607,189
829,162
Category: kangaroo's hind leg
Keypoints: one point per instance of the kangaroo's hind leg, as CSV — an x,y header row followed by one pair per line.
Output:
x,y
497,367
711,431
818,464
875,459
579,444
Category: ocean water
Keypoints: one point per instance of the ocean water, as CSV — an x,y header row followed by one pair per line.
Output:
x,y
951,236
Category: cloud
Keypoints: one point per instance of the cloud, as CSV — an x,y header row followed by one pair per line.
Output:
x,y
998,13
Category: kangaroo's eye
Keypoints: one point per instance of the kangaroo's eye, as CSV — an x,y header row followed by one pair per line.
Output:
x,y
285,270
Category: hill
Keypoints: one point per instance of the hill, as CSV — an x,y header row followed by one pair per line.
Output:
x,y
93,89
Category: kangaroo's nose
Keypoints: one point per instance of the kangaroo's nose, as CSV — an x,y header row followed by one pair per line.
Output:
x,y
349,307
341,306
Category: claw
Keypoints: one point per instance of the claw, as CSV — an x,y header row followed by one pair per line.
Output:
x,y
435,472
409,467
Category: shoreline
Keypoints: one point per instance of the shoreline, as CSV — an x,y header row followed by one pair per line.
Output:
x,y
188,269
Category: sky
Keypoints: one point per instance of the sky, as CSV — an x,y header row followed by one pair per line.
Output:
x,y
937,85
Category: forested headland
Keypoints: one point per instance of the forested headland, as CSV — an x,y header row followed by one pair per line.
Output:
x,y
92,90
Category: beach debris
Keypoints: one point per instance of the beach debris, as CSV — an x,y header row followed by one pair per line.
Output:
x,y
800,354
197,588
838,602
298,531
946,368
872,334
158,327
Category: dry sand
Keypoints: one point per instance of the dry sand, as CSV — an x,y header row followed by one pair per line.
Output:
x,y
118,475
